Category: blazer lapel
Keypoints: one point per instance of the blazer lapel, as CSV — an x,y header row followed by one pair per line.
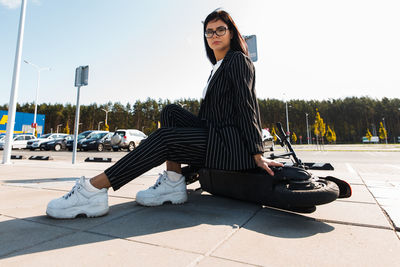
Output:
x,y
218,73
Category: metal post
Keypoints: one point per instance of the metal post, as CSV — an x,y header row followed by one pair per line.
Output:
x,y
98,125
76,127
287,119
308,134
106,111
14,88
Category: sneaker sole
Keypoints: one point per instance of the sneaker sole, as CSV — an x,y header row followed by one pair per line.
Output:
x,y
175,198
71,213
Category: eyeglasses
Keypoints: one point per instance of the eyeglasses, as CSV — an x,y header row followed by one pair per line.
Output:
x,y
220,31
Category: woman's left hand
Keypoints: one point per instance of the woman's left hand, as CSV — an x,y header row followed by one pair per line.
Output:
x,y
265,163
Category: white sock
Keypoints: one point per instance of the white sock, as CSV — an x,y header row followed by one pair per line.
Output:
x,y
173,176
89,187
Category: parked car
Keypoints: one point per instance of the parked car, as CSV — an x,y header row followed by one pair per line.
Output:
x,y
127,139
70,143
19,141
268,140
97,141
56,144
35,143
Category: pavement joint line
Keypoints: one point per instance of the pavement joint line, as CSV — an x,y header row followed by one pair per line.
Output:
x,y
354,224
140,242
222,258
376,201
355,202
228,236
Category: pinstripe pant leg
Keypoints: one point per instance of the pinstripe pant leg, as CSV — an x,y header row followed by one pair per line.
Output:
x,y
185,142
175,116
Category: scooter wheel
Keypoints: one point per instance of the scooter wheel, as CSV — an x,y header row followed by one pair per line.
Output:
x,y
320,192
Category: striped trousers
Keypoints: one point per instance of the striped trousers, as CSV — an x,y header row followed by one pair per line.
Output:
x,y
182,138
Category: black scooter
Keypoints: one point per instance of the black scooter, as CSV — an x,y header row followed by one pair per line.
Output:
x,y
292,187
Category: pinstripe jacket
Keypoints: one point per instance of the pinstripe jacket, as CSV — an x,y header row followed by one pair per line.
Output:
x,y
231,111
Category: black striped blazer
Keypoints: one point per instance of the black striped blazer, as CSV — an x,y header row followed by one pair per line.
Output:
x,y
231,111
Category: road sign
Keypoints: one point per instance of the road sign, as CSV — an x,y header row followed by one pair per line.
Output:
x,y
81,76
251,41
34,125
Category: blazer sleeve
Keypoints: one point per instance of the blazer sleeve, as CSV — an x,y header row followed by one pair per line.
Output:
x,y
242,75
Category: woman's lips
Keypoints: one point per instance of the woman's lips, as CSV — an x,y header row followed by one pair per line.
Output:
x,y
216,42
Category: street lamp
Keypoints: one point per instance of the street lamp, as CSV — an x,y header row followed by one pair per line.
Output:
x,y
106,111
308,134
98,125
58,126
287,115
39,69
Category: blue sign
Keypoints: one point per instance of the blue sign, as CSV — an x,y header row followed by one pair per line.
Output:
x,y
23,122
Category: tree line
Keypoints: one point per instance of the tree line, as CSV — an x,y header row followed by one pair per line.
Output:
x,y
349,119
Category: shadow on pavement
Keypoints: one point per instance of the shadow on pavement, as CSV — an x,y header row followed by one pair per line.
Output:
x,y
155,225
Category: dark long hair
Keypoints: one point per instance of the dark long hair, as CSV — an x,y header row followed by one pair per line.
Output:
x,y
237,41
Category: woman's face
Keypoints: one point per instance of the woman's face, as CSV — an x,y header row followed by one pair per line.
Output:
x,y
219,41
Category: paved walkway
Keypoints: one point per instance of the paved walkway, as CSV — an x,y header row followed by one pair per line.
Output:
x,y
206,231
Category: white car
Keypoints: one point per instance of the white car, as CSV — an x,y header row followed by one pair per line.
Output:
x,y
129,139
19,141
35,144
268,140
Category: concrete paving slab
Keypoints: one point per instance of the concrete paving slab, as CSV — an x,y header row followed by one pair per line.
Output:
x,y
352,213
191,227
86,249
19,234
30,204
270,240
360,193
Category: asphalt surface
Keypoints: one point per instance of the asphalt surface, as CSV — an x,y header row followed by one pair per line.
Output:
x,y
207,230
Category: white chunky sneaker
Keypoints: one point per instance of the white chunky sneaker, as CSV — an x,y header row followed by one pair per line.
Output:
x,y
162,191
79,201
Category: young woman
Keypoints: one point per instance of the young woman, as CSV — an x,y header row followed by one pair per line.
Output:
x,y
225,135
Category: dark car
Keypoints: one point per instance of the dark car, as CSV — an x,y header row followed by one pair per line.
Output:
x,y
56,144
97,141
82,135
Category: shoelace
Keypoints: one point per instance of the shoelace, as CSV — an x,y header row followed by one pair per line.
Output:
x,y
76,186
158,182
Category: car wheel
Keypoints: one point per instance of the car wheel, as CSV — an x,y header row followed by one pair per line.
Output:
x,y
57,147
100,147
131,146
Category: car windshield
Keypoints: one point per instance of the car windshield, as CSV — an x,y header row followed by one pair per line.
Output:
x,y
45,135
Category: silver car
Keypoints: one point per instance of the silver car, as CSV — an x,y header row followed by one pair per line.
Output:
x,y
127,139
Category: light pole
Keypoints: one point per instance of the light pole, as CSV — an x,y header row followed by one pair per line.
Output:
x,y
308,135
98,125
39,69
287,115
106,111
12,106
58,126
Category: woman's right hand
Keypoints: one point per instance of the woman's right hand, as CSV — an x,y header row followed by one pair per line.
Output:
x,y
266,163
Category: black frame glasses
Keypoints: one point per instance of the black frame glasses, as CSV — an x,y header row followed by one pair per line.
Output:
x,y
220,31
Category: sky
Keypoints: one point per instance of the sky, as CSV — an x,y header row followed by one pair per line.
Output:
x,y
138,49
